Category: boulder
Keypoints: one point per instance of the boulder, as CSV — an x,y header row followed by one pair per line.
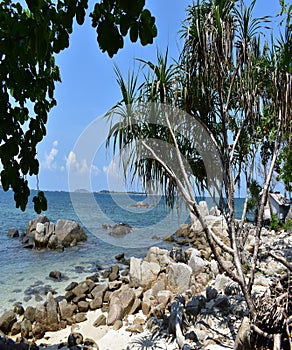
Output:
x,y
52,319
120,230
203,207
178,277
100,321
143,273
69,233
13,233
31,226
7,319
55,275
159,256
183,231
26,329
66,310
196,263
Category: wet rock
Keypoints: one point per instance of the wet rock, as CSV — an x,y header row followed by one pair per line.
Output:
x,y
13,233
69,233
71,286
120,257
7,319
55,275
120,230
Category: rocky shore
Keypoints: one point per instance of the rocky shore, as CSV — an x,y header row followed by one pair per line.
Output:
x,y
170,299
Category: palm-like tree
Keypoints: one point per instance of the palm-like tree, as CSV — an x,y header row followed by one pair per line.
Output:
x,y
239,91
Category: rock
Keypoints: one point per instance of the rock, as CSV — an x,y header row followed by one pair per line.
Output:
x,y
56,275
140,205
232,288
31,227
90,344
125,296
115,313
80,317
83,306
120,257
52,319
117,325
114,273
183,231
203,207
221,282
26,329
15,329
74,339
163,296
81,289
100,321
96,303
135,328
143,273
120,230
13,233
7,319
29,314
69,232
159,256
178,255
243,337
71,286
211,293
222,302
38,330
179,277
18,309
197,264
195,305
66,310
53,242
99,290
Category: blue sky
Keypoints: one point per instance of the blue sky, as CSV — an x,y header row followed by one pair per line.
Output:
x,y
89,89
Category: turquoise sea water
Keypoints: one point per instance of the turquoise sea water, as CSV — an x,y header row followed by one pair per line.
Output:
x,y
23,271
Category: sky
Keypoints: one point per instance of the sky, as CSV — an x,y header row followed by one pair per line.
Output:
x,y
89,89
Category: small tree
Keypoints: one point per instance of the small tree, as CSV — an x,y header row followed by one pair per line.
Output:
x,y
232,93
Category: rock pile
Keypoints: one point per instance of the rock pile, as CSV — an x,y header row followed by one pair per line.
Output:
x,y
43,234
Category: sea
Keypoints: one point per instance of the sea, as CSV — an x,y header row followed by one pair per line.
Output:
x,y
24,273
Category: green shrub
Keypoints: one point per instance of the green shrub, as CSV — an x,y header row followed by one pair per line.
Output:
x,y
274,225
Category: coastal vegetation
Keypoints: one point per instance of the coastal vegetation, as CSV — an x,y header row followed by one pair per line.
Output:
x,y
235,87
32,34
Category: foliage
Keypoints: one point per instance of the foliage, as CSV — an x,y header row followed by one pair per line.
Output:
x,y
274,225
238,90
254,201
31,36
287,226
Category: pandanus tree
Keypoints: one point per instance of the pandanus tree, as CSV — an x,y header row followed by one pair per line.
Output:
x,y
229,93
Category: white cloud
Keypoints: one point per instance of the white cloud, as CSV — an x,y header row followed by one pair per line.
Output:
x,y
48,162
80,166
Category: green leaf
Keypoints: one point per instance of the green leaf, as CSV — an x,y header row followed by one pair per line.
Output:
x,y
134,32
